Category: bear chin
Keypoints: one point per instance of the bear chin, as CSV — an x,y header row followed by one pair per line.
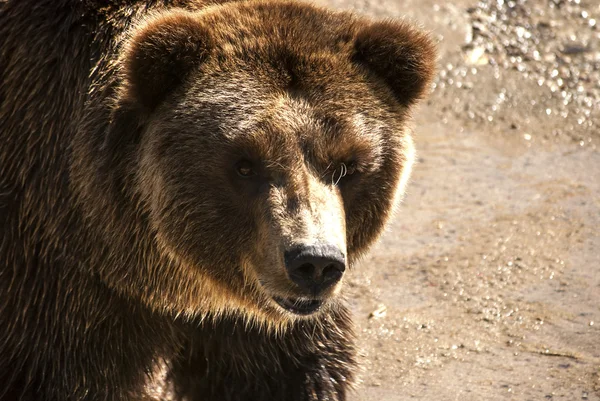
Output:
x,y
300,307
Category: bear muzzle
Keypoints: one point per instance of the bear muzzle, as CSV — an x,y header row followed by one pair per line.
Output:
x,y
313,271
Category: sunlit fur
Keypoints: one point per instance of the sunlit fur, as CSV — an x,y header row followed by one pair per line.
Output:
x,y
135,264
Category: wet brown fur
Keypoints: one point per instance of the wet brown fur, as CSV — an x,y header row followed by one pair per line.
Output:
x,y
134,263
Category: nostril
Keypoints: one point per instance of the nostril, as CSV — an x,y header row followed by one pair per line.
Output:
x,y
306,270
332,272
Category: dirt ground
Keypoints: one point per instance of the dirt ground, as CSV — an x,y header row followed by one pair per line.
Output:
x,y
487,284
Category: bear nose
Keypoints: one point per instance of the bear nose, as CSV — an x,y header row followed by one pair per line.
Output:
x,y
315,268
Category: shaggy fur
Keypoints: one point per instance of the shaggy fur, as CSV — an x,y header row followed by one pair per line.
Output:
x,y
136,263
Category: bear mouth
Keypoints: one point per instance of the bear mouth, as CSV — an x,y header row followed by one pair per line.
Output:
x,y
299,306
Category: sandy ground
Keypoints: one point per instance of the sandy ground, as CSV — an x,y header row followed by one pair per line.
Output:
x,y
487,284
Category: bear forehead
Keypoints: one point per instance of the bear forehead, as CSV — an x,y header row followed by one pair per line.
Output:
x,y
332,116
280,128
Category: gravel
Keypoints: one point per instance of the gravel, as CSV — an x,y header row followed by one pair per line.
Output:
x,y
552,44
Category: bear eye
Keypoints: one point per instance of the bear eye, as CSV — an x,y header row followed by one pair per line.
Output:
x,y
245,168
343,170
350,167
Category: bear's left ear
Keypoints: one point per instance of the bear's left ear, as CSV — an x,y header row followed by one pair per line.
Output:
x,y
161,54
401,55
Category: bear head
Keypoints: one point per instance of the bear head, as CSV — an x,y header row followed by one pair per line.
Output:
x,y
270,149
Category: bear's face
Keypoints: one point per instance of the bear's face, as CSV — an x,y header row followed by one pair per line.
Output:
x,y
274,145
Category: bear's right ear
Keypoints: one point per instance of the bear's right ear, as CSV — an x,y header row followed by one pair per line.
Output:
x,y
161,54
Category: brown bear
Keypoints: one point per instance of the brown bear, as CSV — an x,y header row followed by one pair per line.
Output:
x,y
183,188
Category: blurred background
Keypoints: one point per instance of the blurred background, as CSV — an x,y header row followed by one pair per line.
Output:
x,y
487,284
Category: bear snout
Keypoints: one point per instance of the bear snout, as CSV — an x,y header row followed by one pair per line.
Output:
x,y
315,268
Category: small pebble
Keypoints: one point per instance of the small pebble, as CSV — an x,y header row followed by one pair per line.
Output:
x,y
379,312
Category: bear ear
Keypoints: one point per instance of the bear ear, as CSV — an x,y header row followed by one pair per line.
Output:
x,y
401,55
162,53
